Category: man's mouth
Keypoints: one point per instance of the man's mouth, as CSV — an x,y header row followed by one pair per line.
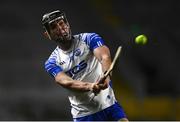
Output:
x,y
63,37
66,36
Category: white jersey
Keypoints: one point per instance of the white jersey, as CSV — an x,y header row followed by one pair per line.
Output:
x,y
80,64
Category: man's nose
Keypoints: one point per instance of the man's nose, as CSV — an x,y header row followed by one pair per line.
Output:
x,y
62,30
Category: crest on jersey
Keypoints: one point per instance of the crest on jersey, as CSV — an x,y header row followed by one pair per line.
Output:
x,y
77,52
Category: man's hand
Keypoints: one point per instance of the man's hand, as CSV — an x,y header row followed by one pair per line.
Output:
x,y
100,85
103,83
95,88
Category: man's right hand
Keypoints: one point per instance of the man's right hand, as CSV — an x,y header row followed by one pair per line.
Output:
x,y
95,88
103,82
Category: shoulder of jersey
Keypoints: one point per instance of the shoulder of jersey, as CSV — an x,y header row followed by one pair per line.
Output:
x,y
53,55
85,36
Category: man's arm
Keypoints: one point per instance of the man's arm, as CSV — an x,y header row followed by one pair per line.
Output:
x,y
103,55
67,82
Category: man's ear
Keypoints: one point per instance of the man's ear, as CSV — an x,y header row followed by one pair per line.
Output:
x,y
46,34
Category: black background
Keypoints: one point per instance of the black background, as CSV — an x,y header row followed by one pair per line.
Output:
x,y
27,92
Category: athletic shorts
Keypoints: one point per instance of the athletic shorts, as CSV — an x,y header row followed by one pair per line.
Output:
x,y
112,113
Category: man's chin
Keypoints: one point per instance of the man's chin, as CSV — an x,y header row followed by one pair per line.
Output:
x,y
63,40
59,40
67,38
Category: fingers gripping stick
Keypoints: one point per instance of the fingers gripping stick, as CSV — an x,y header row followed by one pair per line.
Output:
x,y
112,65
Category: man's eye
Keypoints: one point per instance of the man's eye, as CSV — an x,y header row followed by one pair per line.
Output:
x,y
61,23
53,26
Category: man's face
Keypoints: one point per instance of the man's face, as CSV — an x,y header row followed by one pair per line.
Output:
x,y
59,30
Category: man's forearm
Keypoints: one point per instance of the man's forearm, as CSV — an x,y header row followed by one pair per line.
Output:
x,y
106,62
79,86
76,85
104,57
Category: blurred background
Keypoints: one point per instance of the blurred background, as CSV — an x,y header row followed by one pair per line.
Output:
x,y
146,79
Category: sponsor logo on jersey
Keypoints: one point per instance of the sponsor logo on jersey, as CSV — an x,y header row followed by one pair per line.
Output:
x,y
62,62
76,69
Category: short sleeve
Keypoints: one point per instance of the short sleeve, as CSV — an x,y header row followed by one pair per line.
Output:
x,y
93,40
52,68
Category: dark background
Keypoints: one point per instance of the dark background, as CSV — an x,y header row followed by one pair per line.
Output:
x,y
146,78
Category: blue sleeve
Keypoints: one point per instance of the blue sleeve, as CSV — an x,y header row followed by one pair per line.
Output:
x,y
52,68
94,40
